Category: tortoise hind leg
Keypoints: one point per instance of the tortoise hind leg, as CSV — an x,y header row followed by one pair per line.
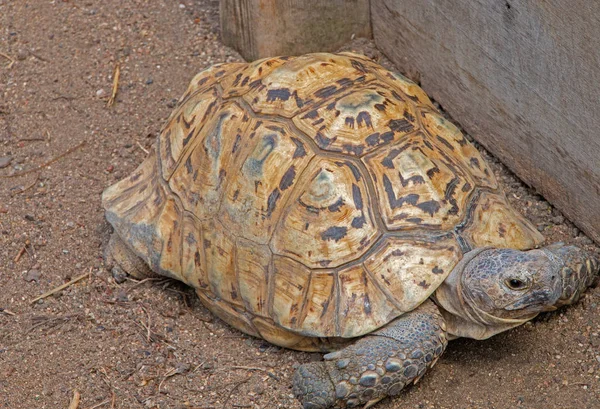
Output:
x,y
122,261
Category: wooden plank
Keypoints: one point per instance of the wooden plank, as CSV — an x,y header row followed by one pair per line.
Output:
x,y
522,77
264,28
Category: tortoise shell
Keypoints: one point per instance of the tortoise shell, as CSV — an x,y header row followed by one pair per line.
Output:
x,y
316,196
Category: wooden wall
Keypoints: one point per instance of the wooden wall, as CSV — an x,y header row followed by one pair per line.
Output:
x,y
267,28
522,77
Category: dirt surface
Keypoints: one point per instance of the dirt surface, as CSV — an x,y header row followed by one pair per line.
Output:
x,y
151,344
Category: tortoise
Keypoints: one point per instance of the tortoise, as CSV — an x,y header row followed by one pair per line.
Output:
x,y
322,203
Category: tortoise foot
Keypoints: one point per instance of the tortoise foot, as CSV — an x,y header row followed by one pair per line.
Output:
x,y
123,262
378,365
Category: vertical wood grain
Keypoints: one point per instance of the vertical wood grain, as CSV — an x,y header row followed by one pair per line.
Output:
x,y
263,28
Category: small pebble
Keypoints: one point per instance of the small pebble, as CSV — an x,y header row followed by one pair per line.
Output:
x,y
149,81
5,161
33,275
101,93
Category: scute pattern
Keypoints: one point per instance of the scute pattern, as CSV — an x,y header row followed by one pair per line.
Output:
x,y
262,181
418,185
304,81
494,222
329,220
449,138
363,306
185,123
360,121
200,176
409,270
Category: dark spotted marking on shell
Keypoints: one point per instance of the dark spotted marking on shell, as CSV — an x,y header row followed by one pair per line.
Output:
x,y
475,163
188,137
400,125
335,207
431,172
190,238
364,118
335,233
451,188
255,84
394,202
355,149
353,169
236,144
326,92
445,142
349,122
357,197
311,114
415,180
358,222
345,82
388,161
288,178
188,165
430,206
272,201
300,151
322,140
358,66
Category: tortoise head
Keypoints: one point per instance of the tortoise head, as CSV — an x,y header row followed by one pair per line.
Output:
x,y
492,289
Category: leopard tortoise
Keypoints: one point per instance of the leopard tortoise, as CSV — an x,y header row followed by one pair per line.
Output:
x,y
322,203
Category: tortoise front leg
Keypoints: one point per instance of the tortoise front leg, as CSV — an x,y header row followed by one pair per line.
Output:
x,y
379,364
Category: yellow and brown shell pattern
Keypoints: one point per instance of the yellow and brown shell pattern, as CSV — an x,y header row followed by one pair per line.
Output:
x,y
316,196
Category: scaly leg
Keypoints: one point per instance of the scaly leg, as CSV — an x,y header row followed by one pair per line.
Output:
x,y
379,364
122,261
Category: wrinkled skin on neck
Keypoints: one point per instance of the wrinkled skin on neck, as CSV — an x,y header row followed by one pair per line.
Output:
x,y
492,290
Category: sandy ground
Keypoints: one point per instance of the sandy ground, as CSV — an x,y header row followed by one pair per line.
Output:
x,y
151,344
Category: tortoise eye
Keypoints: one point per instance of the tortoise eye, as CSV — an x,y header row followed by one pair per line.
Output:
x,y
516,284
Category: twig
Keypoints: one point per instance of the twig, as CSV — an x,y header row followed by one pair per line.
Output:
x,y
75,401
60,287
22,251
25,189
145,280
115,87
12,60
148,335
113,400
50,322
167,375
248,368
99,404
142,148
43,165
7,312
237,385
31,139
